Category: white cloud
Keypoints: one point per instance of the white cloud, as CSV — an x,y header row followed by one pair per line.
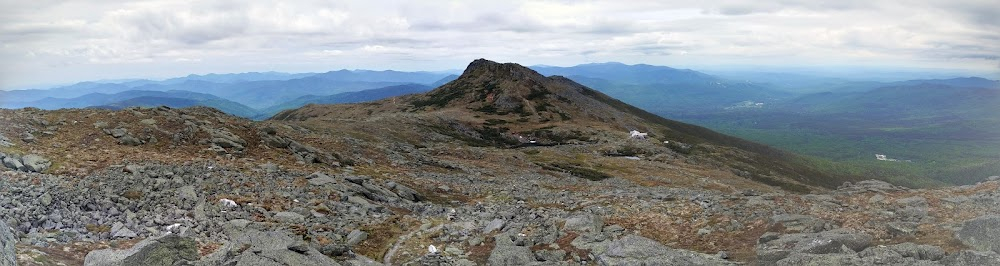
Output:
x,y
52,40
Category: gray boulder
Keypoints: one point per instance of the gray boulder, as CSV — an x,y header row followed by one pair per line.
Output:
x,y
167,250
35,163
319,179
7,255
117,132
584,222
511,256
289,217
494,225
355,237
637,250
13,163
981,233
129,140
45,199
404,191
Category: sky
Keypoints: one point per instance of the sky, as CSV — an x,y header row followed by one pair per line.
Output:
x,y
45,42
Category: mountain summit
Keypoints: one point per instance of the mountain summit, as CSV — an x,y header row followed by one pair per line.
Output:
x,y
508,105
511,91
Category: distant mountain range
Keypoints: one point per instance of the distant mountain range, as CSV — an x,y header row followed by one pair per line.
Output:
x,y
252,95
664,90
347,97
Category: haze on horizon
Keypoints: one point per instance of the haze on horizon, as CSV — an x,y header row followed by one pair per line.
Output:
x,y
58,42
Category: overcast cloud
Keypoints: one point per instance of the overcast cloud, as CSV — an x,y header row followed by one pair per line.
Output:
x,y
48,42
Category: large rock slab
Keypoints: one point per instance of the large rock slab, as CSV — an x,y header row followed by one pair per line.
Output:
x,y
7,255
167,250
511,256
637,250
252,247
982,233
771,249
584,222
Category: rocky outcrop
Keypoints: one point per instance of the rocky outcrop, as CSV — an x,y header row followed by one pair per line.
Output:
x,y
7,254
982,233
303,152
637,250
167,250
252,247
773,247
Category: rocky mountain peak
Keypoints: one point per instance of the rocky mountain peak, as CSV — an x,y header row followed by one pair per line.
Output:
x,y
483,67
509,90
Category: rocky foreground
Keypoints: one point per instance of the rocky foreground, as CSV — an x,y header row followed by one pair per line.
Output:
x,y
199,214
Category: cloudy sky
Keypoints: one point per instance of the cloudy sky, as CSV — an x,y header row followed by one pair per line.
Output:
x,y
51,42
